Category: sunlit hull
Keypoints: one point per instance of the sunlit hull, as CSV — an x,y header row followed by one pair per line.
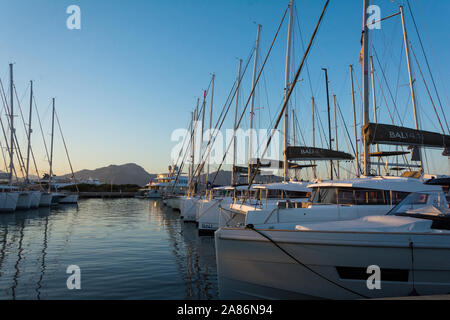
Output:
x,y
46,199
35,199
209,213
251,267
8,201
189,209
69,199
24,201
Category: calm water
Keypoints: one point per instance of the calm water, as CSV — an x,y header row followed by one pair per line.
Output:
x,y
126,249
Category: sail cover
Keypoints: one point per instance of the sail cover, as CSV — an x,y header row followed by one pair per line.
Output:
x,y
389,134
312,154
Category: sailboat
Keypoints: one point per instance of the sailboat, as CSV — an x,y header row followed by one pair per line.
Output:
x,y
309,264
58,197
9,194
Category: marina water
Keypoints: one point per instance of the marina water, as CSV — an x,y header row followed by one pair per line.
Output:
x,y
125,248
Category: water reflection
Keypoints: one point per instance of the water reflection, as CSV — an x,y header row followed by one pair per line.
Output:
x,y
195,255
127,249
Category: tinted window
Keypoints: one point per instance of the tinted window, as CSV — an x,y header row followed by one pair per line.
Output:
x,y
324,196
371,197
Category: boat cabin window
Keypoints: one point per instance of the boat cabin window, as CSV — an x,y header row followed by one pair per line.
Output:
x,y
349,196
281,194
423,205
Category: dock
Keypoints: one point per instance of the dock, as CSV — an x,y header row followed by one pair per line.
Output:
x,y
105,195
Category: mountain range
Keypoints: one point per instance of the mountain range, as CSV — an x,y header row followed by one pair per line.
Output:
x,y
129,173
132,173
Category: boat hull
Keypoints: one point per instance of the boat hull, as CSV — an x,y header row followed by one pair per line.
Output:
x,y
209,214
174,203
189,209
342,257
46,200
24,201
69,199
35,199
154,194
8,201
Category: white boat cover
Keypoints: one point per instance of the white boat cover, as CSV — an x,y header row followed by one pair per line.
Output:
x,y
380,183
371,224
289,186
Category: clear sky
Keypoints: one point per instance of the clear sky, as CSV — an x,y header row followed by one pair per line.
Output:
x,y
133,72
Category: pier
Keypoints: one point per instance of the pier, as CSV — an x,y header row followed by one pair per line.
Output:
x,y
105,195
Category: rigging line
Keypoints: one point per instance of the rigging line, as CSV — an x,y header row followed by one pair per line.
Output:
x,y
191,143
303,46
399,72
349,139
427,63
193,137
291,89
3,130
15,142
4,133
15,136
42,131
26,131
238,84
428,91
67,152
390,114
190,139
254,87
251,227
387,85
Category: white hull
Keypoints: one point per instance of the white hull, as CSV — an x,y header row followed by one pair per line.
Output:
x,y
288,218
240,212
35,199
275,275
69,199
209,213
46,200
8,201
189,209
56,198
24,201
154,194
174,203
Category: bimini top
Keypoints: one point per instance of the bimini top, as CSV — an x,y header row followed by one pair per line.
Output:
x,y
241,188
286,186
379,183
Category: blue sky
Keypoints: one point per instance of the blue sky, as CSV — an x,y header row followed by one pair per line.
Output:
x,y
132,74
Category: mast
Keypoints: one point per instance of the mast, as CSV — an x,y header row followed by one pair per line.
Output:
x,y
191,166
255,71
11,149
314,133
29,132
336,135
51,146
358,170
375,116
203,129
411,80
233,169
293,127
293,139
194,131
329,122
365,75
210,125
286,88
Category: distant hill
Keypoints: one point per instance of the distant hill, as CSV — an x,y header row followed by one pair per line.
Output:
x,y
130,173
224,178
